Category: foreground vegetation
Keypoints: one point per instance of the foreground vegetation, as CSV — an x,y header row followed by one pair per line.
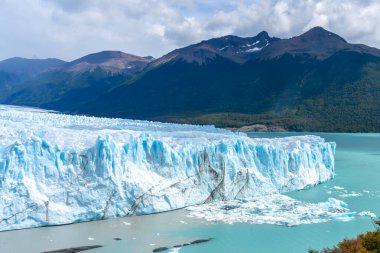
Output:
x,y
365,243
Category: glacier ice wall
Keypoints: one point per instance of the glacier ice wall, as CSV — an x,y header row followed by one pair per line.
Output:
x,y
58,169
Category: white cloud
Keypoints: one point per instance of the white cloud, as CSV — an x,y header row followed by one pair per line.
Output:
x,y
69,28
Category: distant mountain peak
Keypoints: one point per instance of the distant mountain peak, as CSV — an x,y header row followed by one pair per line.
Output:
x,y
102,56
25,66
230,47
320,33
263,34
113,61
149,58
317,43
318,29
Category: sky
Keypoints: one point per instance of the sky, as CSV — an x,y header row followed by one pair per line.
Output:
x,y
69,29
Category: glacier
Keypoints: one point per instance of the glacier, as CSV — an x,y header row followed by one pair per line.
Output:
x,y
59,169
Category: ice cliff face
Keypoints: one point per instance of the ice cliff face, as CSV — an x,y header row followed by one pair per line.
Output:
x,y
57,169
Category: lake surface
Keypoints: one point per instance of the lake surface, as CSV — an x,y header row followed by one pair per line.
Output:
x,y
357,182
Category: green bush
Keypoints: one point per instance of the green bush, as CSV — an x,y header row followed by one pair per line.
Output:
x,y
371,241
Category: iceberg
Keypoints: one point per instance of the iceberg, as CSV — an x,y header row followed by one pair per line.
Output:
x,y
59,169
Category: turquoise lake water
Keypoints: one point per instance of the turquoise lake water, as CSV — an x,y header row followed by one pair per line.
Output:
x,y
357,182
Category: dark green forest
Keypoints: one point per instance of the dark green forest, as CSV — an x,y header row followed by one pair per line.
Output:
x,y
339,94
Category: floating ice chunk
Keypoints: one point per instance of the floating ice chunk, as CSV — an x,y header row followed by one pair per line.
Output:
x,y
344,216
174,250
127,223
352,194
367,213
339,188
91,239
334,204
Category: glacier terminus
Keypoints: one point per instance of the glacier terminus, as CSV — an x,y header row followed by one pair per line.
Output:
x,y
59,169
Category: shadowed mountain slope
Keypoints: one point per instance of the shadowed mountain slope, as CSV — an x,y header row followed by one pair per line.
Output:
x,y
316,81
278,83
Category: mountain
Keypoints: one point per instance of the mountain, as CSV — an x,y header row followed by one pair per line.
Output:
x,y
230,47
169,83
112,61
313,82
76,82
15,70
317,43
30,67
316,81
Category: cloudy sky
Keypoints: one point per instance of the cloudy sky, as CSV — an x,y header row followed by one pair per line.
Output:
x,y
68,29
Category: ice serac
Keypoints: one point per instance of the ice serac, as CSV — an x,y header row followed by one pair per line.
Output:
x,y
57,169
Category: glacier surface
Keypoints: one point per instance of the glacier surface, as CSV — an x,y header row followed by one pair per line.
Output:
x,y
59,169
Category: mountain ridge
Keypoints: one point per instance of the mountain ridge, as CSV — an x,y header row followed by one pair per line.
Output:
x,y
19,65
72,83
317,42
303,83
113,61
231,47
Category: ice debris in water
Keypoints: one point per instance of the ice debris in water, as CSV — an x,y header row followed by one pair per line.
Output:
x,y
367,213
334,204
351,194
174,250
275,209
59,169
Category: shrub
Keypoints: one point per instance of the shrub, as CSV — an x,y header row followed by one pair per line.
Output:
x,y
366,243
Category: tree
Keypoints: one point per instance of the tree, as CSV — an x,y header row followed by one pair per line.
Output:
x,y
377,223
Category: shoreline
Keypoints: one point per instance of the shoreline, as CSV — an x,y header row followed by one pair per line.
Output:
x,y
257,128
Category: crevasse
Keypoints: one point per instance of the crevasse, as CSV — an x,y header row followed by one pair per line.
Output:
x,y
58,169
